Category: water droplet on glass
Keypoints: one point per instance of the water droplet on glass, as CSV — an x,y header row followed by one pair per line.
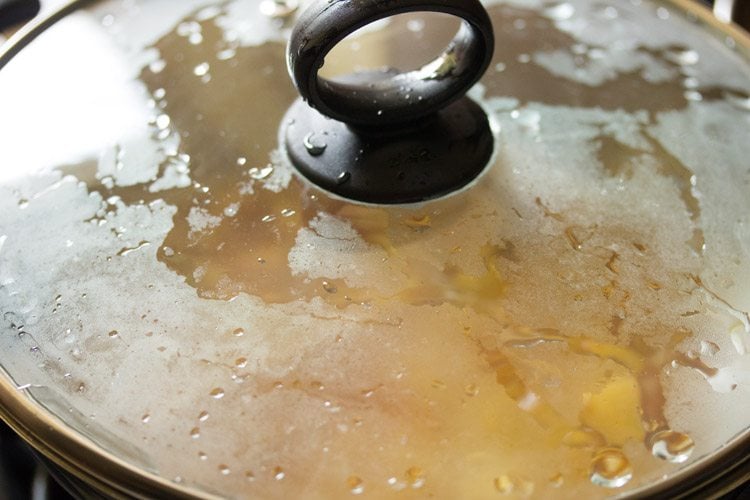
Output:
x,y
690,83
313,144
113,334
201,69
709,348
471,390
328,287
240,362
662,13
287,212
145,418
278,473
683,57
503,484
202,456
238,332
356,485
157,66
672,446
415,25
260,173
343,177
439,384
162,121
268,218
500,67
224,469
739,101
693,95
231,210
226,54
195,433
278,8
610,468
416,477
23,203
557,480
217,393
610,13
560,12
203,416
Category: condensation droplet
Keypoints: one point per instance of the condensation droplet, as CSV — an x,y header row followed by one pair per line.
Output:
x,y
224,469
157,66
145,418
416,477
356,485
471,390
260,173
503,484
672,446
203,416
217,393
739,101
560,12
238,332
557,480
709,348
163,121
231,210
683,57
278,8
313,145
195,433
415,25
343,177
201,69
610,468
278,473
202,456
113,334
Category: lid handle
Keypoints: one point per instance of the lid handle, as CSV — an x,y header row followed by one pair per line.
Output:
x,y
387,137
390,98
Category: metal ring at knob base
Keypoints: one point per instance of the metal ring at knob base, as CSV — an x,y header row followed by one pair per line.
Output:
x,y
439,157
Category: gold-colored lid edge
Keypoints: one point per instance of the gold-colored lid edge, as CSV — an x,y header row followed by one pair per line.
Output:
x,y
109,475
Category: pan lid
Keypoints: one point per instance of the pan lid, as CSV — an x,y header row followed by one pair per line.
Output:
x,y
184,313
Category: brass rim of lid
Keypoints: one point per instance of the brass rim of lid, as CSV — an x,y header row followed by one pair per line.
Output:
x,y
708,477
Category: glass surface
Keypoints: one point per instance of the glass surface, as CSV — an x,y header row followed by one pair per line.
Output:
x,y
574,324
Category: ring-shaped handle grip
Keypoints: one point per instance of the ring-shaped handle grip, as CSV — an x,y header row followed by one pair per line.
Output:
x,y
388,99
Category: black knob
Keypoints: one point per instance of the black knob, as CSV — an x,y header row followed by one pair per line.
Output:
x,y
394,137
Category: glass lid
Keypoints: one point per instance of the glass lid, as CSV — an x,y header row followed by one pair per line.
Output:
x,y
182,312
